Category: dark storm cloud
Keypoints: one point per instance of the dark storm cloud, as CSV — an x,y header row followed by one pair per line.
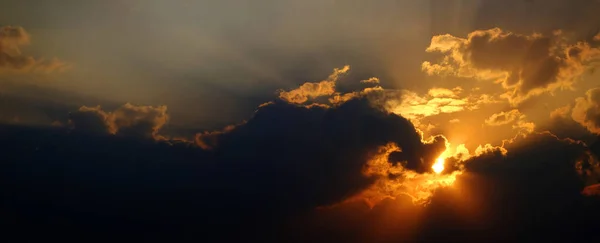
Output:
x,y
286,159
259,179
534,192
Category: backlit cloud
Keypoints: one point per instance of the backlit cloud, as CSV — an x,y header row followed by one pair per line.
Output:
x,y
514,117
372,80
127,120
561,112
525,65
587,110
289,159
536,176
12,59
437,101
504,118
406,103
313,90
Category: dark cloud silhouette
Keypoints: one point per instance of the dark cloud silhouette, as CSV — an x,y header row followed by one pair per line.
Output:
x,y
286,160
291,173
90,120
266,179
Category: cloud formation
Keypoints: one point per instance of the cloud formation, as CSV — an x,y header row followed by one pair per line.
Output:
x,y
372,80
504,118
532,191
314,90
525,65
437,101
406,103
587,110
287,162
514,117
12,59
563,125
127,120
321,162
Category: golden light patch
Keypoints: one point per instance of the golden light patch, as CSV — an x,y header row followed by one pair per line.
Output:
x,y
438,166
395,180
310,90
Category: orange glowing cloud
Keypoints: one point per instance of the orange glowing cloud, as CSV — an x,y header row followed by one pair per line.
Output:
x,y
504,118
488,148
313,90
512,116
561,112
592,190
395,180
406,103
436,101
209,140
372,80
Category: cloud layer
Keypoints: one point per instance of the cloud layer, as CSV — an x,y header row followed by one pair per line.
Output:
x,y
289,168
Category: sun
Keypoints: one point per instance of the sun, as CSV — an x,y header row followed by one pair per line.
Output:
x,y
438,166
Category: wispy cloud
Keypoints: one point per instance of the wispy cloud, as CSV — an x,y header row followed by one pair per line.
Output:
x,y
12,58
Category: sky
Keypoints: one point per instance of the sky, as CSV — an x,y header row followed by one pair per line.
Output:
x,y
315,120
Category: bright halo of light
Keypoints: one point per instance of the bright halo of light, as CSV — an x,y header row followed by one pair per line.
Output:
x,y
438,166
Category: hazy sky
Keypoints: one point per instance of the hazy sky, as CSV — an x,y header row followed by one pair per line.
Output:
x,y
190,55
234,53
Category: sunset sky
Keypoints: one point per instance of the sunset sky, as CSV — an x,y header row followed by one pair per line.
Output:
x,y
308,121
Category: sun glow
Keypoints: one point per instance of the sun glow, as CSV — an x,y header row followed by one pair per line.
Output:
x,y
438,166
394,180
